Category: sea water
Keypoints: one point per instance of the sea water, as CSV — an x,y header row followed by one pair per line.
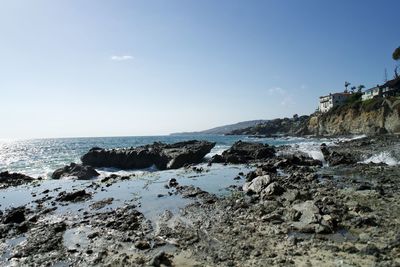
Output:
x,y
40,157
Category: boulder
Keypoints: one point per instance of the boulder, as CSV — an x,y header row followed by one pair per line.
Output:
x,y
273,189
15,215
257,184
335,158
79,171
310,220
244,152
75,196
13,179
163,156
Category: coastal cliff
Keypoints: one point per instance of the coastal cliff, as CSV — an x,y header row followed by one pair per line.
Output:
x,y
376,116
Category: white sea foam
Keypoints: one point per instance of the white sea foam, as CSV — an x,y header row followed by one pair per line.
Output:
x,y
217,150
104,172
311,149
383,157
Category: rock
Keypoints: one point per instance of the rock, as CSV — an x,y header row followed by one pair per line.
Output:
x,y
299,160
45,238
244,152
371,249
142,245
125,219
15,215
75,170
172,182
13,179
161,259
311,221
102,203
335,158
75,196
163,156
273,189
257,184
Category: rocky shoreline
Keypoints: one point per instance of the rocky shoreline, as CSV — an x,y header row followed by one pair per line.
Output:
x,y
288,210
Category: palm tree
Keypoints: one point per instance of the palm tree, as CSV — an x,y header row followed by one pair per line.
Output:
x,y
396,56
346,84
360,87
353,89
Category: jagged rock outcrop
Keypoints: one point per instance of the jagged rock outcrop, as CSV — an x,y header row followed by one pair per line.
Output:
x,y
81,172
244,152
13,179
335,158
163,156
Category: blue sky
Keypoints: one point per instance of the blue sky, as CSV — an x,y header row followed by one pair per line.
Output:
x,y
105,68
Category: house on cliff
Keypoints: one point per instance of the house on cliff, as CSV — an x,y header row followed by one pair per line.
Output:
x,y
390,88
371,93
332,100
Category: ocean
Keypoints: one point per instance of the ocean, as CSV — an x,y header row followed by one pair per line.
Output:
x,y
40,157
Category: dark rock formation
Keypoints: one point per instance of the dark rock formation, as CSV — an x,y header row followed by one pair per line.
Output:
x,y
75,170
15,215
243,152
75,196
335,158
163,156
13,179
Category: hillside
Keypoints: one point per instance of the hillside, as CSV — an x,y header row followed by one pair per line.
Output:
x,y
285,126
226,129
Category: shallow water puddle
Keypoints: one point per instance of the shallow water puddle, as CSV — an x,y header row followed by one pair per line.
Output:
x,y
8,246
146,190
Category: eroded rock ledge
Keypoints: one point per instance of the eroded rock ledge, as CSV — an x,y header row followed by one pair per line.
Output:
x,y
163,156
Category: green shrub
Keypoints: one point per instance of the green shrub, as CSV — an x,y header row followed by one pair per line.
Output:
x,y
372,104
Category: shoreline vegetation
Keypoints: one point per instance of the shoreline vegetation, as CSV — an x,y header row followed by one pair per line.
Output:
x,y
287,209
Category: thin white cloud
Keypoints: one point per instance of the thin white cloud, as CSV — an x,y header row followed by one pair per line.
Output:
x,y
276,91
121,58
286,98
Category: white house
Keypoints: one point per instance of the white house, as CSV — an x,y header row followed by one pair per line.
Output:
x,y
390,88
371,93
332,100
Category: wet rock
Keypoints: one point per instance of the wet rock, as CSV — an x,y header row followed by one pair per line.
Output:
x,y
15,215
75,196
172,182
125,219
79,171
299,160
337,158
244,152
163,156
44,238
13,179
102,203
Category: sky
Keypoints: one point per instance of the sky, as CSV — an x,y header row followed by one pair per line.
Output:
x,y
73,68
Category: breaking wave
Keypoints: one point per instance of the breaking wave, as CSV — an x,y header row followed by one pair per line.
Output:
x,y
383,157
